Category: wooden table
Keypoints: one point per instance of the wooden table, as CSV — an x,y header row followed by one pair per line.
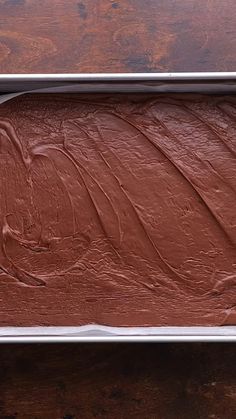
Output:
x,y
118,381
192,381
117,36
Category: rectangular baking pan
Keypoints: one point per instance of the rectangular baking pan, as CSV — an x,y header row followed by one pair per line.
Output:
x,y
121,83
211,83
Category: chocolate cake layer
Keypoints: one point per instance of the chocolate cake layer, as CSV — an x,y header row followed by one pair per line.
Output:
x,y
118,210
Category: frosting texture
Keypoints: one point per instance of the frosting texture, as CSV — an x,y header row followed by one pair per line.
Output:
x,y
118,210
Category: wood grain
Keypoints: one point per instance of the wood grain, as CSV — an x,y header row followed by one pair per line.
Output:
x,y
119,381
117,36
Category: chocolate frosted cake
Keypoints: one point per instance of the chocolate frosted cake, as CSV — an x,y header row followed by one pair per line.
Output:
x,y
118,210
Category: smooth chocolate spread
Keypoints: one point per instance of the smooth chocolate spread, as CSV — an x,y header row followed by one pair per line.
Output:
x,y
118,210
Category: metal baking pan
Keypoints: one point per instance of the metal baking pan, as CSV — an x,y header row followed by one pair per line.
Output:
x,y
12,85
123,82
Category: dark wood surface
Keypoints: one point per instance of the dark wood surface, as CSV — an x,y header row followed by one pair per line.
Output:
x,y
196,381
41,36
118,381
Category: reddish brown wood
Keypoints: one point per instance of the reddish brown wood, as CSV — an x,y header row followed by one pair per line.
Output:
x,y
119,381
117,35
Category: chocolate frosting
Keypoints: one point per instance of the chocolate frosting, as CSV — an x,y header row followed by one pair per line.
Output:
x,y
118,210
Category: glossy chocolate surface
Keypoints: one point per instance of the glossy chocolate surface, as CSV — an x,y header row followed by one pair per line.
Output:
x,y
118,210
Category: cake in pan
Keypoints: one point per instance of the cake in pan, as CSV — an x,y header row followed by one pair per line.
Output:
x,y
118,210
